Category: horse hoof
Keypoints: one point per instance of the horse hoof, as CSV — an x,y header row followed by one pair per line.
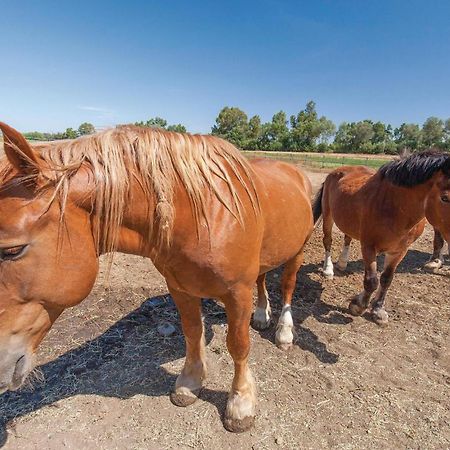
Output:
x,y
184,397
239,425
260,325
285,347
355,309
380,317
285,334
257,325
341,268
433,265
261,319
240,412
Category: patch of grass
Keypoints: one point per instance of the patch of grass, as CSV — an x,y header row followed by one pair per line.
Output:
x,y
319,160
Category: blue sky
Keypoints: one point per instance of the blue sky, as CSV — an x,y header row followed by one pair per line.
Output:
x,y
108,62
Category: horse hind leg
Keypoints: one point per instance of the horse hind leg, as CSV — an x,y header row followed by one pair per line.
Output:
x,y
263,312
284,335
379,314
328,270
343,257
437,260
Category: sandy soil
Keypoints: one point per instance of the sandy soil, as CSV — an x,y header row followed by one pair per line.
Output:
x,y
345,384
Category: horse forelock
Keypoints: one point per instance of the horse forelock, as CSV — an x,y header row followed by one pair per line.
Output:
x,y
158,160
416,168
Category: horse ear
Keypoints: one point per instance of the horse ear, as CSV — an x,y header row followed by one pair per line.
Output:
x,y
18,151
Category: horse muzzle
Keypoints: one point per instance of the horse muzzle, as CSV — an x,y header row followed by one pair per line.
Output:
x,y
13,371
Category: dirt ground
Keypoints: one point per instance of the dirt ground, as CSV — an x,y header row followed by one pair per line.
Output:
x,y
346,383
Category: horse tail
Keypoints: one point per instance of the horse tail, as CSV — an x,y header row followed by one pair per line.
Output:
x,y
317,204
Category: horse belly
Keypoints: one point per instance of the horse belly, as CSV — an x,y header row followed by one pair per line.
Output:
x,y
345,213
287,228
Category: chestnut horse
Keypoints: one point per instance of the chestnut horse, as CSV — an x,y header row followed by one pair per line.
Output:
x,y
212,223
385,211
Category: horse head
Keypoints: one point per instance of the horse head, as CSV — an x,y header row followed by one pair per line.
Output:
x,y
48,261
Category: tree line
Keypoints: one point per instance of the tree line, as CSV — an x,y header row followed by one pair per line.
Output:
x,y
87,128
305,131
70,133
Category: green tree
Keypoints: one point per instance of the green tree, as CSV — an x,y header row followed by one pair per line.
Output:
x,y
382,141
307,129
447,134
35,136
342,139
275,134
433,132
326,129
362,134
177,127
154,122
254,127
232,125
408,136
253,133
70,133
86,128
355,137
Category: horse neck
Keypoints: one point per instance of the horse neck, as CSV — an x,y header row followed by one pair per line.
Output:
x,y
137,232
134,236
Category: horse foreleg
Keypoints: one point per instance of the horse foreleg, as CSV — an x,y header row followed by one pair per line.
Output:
x,y
343,258
361,302
190,381
240,411
379,314
285,328
437,260
262,314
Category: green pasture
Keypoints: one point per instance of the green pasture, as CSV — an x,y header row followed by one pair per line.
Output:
x,y
322,160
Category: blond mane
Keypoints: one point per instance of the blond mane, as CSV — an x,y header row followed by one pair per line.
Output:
x,y
157,160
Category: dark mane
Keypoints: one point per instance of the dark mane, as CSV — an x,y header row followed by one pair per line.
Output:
x,y
416,168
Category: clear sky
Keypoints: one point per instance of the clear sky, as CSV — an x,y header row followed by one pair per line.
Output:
x,y
107,62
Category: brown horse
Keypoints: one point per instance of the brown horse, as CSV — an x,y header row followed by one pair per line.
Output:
x,y
438,214
211,222
385,211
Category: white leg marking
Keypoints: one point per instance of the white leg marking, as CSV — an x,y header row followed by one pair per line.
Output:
x,y
328,269
343,258
437,263
261,317
263,312
285,328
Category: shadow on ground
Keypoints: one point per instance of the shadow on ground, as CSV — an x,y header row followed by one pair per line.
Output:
x,y
413,262
124,361
128,359
305,303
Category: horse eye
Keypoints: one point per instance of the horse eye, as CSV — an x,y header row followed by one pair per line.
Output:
x,y
12,252
445,198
